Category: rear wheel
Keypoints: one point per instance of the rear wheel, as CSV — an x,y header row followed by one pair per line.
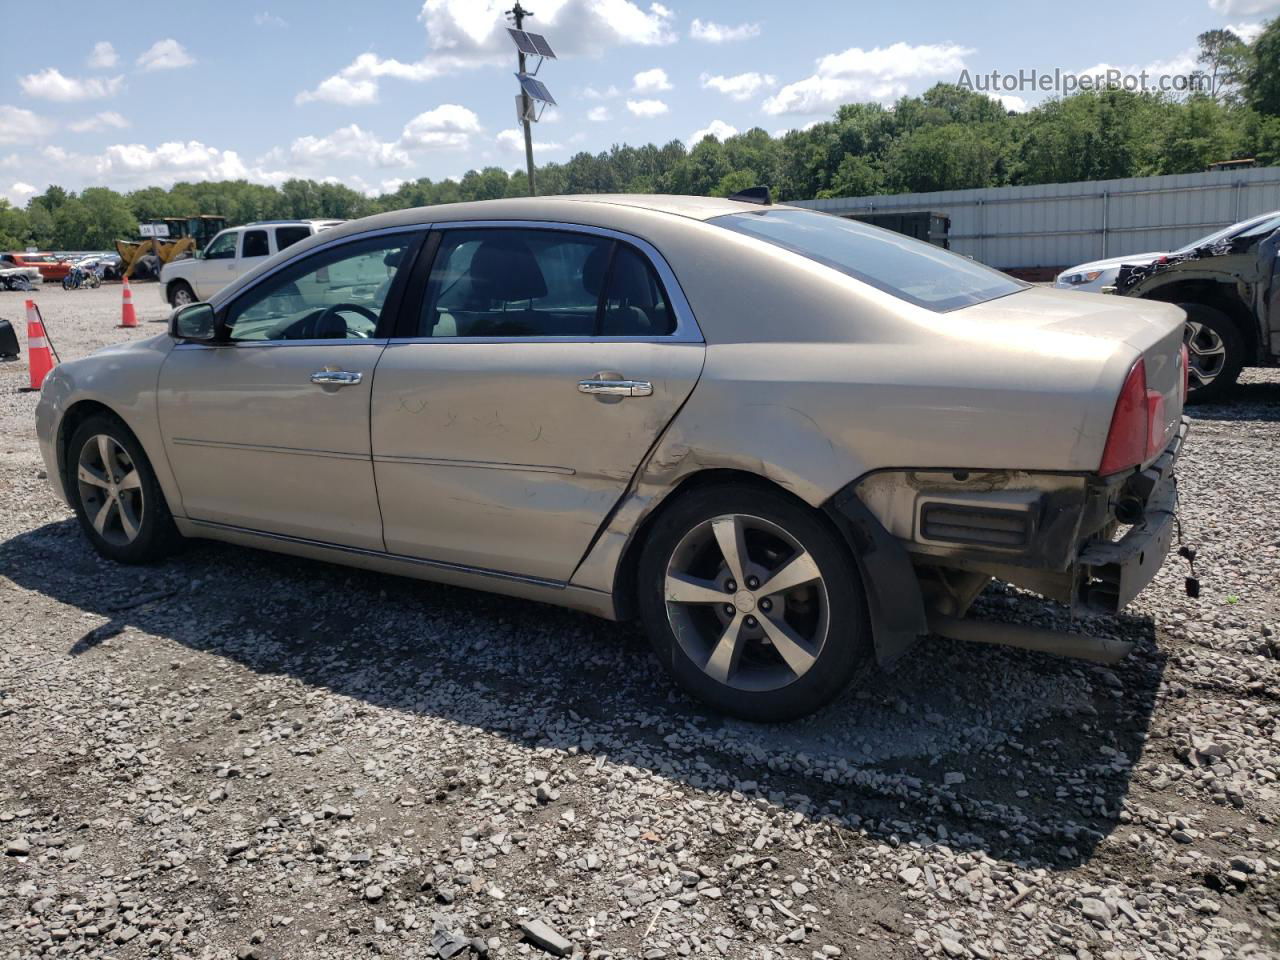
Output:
x,y
115,493
753,603
180,294
1216,351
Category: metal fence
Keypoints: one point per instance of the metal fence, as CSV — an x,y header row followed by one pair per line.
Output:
x,y
1061,224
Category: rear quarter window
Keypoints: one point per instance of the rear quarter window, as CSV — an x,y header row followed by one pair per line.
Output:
x,y
920,273
288,236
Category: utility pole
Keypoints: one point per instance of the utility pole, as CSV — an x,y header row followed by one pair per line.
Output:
x,y
518,13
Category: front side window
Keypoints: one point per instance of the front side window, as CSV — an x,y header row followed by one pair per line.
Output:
x,y
337,294
911,270
255,244
222,247
540,283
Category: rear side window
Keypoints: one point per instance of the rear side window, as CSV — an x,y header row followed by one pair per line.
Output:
x,y
511,283
288,236
911,270
255,244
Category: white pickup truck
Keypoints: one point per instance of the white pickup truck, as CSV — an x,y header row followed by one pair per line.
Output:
x,y
233,252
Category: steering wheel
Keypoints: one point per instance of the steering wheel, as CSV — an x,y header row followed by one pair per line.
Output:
x,y
320,322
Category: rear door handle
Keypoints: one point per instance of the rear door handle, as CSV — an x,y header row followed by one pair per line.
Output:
x,y
616,388
337,378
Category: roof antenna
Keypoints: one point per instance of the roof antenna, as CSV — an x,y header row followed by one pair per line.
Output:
x,y
758,195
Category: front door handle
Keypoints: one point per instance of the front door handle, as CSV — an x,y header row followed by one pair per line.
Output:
x,y
337,378
616,388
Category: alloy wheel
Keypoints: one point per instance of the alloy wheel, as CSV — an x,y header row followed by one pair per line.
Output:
x,y
182,296
110,489
1206,351
746,602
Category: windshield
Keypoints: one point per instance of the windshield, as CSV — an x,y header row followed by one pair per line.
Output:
x,y
1235,229
917,272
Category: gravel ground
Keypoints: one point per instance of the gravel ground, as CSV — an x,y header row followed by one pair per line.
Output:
x,y
239,755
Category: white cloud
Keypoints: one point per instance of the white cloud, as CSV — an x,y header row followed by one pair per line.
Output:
x,y
103,56
514,140
1179,65
880,74
51,84
268,19
448,125
1248,32
339,89
167,54
598,114
710,32
716,128
108,120
463,34
1010,101
134,164
1243,8
346,143
18,125
741,86
18,193
608,93
651,81
647,108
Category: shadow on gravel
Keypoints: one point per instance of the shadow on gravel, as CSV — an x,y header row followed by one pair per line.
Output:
x,y
1247,401
1026,757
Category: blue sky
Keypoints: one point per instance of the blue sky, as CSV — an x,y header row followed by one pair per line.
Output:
x,y
376,92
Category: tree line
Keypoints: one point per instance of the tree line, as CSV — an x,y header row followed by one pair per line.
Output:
x,y
948,138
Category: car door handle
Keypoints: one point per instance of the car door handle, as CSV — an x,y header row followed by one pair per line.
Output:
x,y
616,388
337,378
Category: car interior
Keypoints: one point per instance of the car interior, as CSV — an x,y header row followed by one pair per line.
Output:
x,y
542,284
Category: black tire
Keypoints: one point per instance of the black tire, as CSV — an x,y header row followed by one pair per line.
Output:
x,y
1212,322
176,289
845,650
156,535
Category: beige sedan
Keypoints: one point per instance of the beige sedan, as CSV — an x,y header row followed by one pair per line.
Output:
x,y
792,444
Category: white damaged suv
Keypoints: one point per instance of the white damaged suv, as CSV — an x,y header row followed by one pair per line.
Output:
x,y
232,253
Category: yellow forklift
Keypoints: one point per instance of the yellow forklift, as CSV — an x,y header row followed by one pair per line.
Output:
x,y
162,239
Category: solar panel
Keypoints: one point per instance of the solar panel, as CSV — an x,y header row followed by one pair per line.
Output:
x,y
524,42
540,43
535,89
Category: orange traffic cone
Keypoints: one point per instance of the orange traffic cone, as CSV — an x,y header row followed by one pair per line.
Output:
x,y
127,317
39,359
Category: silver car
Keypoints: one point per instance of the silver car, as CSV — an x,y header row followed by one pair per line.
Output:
x,y
791,444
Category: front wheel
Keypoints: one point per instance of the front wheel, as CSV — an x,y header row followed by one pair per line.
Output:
x,y
181,294
753,602
115,493
1216,351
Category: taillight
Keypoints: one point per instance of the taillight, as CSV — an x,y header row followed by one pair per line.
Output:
x,y
1186,373
1130,432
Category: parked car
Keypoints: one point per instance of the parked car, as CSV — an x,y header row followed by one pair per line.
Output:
x,y
1092,277
16,276
1230,291
793,444
50,267
229,255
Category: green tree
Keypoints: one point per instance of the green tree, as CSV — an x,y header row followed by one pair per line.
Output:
x,y
1225,59
14,226
1262,82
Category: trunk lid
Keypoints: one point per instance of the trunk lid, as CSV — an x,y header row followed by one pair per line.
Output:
x,y
1141,328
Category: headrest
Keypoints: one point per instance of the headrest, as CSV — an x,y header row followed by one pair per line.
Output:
x,y
630,280
504,268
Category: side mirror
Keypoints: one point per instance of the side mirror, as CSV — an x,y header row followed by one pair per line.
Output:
x,y
195,321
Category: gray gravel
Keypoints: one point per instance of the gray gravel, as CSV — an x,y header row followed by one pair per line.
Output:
x,y
238,755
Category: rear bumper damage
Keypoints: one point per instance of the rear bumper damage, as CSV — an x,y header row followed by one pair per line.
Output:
x,y
1089,542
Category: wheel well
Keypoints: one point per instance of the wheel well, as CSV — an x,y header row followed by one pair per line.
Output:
x,y
624,579
1220,296
76,414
